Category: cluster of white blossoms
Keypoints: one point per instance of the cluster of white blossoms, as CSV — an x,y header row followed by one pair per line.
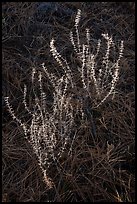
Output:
x,y
103,78
51,131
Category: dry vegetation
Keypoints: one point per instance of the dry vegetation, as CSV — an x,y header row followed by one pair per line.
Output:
x,y
102,166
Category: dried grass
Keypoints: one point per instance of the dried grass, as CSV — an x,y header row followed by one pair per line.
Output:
x,y
101,167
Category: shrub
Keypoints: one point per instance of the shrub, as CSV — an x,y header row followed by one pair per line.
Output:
x,y
50,132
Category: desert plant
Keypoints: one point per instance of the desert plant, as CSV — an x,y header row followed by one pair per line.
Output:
x,y
50,129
